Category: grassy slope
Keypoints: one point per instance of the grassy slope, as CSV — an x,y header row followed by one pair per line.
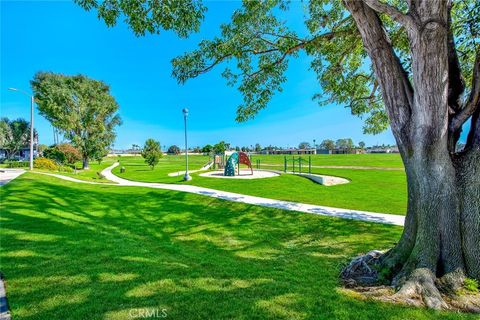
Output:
x,y
372,190
94,252
90,174
369,190
136,169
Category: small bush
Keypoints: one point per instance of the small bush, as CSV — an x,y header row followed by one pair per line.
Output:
x,y
54,154
71,153
471,285
44,163
65,169
122,169
17,164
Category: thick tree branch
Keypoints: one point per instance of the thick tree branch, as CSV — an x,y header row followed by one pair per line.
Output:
x,y
456,86
389,10
473,105
473,102
396,88
301,44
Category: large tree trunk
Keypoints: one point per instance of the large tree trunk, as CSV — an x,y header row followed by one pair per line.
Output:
x,y
468,181
440,244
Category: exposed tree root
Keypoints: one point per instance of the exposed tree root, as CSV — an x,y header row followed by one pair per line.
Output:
x,y
411,286
421,283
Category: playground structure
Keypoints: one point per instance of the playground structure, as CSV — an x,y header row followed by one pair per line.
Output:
x,y
296,164
227,165
218,161
232,166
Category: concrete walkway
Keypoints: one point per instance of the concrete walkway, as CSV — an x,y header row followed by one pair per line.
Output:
x,y
236,197
7,175
182,173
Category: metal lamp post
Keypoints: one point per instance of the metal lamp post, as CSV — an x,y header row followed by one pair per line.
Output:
x,y
31,122
186,177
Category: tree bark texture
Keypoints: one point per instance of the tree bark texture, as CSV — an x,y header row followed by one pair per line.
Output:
x,y
440,244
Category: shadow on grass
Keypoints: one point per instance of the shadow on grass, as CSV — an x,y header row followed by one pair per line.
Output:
x,y
80,251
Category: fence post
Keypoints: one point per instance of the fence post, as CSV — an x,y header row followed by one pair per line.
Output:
x,y
293,162
310,164
285,164
300,165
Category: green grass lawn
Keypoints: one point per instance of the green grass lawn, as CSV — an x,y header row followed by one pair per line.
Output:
x,y
90,174
387,160
74,251
368,190
137,169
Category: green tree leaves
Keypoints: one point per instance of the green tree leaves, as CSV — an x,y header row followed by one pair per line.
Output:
x,y
81,108
150,16
258,42
14,135
151,152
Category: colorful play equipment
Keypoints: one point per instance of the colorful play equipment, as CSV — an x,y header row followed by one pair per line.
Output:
x,y
234,161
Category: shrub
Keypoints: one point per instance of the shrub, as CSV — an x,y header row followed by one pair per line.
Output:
x,y
55,154
45,163
71,153
65,169
471,285
17,164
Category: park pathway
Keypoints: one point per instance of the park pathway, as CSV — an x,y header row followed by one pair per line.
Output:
x,y
7,175
236,197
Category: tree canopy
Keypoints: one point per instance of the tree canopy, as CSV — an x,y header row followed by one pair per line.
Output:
x,y
328,144
221,147
174,149
14,135
81,108
151,152
257,44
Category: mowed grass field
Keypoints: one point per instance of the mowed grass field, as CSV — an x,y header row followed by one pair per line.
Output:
x,y
76,251
369,190
380,160
136,168
90,174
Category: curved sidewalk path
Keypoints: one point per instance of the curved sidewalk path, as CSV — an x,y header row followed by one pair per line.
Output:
x,y
236,197
7,175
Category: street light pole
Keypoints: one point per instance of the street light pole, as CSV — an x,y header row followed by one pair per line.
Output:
x,y
186,177
31,131
32,101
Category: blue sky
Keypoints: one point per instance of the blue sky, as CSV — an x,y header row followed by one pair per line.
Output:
x,y
62,37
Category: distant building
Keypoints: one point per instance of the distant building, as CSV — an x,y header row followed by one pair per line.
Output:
x,y
383,150
324,151
348,151
23,153
291,151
